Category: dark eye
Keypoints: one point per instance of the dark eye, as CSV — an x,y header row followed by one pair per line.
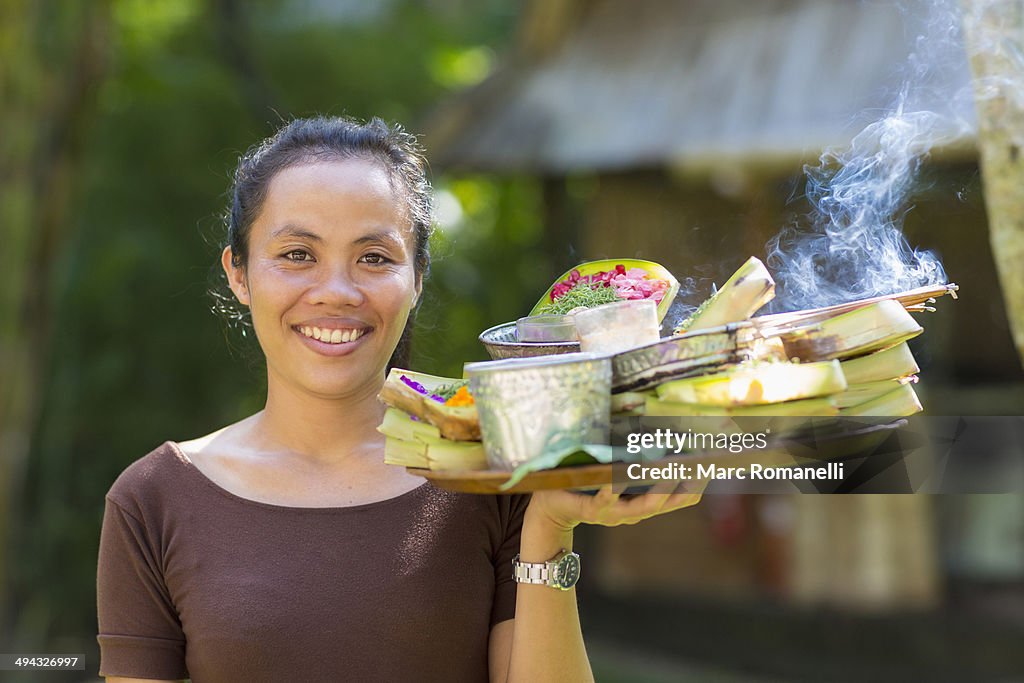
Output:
x,y
375,259
298,255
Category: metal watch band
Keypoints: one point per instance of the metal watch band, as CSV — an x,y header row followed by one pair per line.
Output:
x,y
531,572
562,571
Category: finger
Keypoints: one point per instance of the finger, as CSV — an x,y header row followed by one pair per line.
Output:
x,y
697,485
679,501
692,485
666,487
644,506
659,492
606,497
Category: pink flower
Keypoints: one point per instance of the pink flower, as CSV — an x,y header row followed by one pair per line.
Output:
x,y
631,283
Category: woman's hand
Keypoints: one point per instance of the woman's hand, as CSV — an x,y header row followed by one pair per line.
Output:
x,y
565,510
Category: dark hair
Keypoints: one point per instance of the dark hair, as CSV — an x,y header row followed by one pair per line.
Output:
x,y
322,138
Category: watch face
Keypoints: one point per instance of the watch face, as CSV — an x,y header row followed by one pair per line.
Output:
x,y
568,570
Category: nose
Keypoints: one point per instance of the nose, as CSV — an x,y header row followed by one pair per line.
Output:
x,y
337,286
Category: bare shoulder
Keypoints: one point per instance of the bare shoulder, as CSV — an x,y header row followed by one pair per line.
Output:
x,y
199,447
223,456
222,440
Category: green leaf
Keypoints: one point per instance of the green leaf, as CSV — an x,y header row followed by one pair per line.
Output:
x,y
562,456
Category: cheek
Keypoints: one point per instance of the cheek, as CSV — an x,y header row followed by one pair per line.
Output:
x,y
398,292
271,290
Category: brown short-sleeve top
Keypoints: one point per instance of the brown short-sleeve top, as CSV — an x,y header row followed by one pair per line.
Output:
x,y
197,582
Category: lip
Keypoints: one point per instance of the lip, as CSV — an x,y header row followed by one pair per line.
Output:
x,y
333,350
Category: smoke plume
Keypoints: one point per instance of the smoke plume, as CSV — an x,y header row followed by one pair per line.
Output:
x,y
850,243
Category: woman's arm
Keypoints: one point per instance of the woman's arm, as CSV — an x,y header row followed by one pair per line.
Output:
x,y
139,629
546,633
499,649
546,638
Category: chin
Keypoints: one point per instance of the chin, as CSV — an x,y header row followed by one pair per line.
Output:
x,y
340,385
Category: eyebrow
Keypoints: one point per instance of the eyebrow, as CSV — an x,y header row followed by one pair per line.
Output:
x,y
295,231
386,236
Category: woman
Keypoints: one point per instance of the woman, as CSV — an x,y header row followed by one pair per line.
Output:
x,y
281,547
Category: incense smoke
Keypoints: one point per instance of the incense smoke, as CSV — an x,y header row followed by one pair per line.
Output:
x,y
680,309
850,244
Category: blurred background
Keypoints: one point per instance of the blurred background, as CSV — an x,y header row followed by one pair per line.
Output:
x,y
558,131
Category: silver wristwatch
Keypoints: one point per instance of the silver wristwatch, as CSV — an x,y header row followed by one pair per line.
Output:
x,y
562,571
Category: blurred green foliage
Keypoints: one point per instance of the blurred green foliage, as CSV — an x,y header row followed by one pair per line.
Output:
x,y
488,267
138,358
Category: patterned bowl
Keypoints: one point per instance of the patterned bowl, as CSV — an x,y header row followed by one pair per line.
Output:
x,y
694,353
530,405
501,342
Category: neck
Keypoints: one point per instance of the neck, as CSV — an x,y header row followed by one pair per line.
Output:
x,y
330,430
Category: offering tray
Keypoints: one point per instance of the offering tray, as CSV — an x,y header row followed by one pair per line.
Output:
x,y
578,477
841,444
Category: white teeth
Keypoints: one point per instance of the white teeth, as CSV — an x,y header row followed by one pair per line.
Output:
x,y
331,336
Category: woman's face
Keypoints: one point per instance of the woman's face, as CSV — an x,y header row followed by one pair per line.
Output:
x,y
330,279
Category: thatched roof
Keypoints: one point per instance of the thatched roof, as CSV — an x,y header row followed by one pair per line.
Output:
x,y
653,82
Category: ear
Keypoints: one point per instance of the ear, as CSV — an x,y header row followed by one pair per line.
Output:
x,y
236,276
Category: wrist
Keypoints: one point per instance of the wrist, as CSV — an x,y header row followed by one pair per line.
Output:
x,y
543,537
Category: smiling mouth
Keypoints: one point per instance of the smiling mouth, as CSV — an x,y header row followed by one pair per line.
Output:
x,y
332,336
